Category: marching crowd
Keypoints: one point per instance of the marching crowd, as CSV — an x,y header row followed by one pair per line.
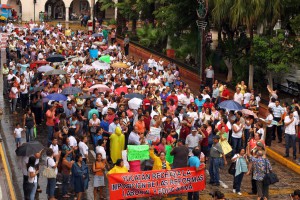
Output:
x,y
82,106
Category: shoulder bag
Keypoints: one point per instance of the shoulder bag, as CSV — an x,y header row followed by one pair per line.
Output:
x,y
269,178
49,172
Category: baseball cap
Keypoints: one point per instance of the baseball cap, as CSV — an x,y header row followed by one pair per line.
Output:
x,y
193,129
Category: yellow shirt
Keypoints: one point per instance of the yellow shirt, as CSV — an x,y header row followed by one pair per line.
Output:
x,y
243,88
118,170
157,165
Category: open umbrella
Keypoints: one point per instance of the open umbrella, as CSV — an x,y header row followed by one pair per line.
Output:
x,y
86,68
57,97
84,96
134,103
105,58
100,87
249,112
97,35
119,90
120,65
71,90
134,95
98,65
230,105
29,148
37,89
38,63
35,29
45,68
55,72
56,58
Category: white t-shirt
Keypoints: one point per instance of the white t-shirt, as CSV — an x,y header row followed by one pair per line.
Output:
x,y
290,129
247,97
33,179
18,132
73,141
55,149
262,133
269,118
83,149
100,149
239,133
238,98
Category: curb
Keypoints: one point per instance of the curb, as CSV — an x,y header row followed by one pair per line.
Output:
x,y
285,162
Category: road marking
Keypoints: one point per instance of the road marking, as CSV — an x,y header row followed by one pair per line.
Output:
x,y
93,153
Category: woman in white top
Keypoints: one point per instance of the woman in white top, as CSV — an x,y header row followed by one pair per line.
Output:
x,y
32,178
94,124
84,149
270,127
24,93
51,182
206,116
237,132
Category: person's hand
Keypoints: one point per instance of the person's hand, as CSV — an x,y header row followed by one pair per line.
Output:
x,y
72,161
248,173
37,172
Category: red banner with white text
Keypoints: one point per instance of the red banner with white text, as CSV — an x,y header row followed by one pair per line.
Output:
x,y
155,183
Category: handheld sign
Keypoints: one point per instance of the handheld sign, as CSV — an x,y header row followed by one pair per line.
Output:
x,y
137,152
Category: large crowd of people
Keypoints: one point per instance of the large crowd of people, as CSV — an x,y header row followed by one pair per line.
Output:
x,y
123,105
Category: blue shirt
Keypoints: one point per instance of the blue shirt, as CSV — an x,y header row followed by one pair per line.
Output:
x,y
104,125
199,104
194,161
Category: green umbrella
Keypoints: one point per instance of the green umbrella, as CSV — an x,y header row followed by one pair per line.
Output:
x,y
105,58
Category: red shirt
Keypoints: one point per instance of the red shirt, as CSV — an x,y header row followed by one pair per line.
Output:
x,y
50,118
204,141
146,104
147,122
184,131
208,105
175,99
110,118
225,93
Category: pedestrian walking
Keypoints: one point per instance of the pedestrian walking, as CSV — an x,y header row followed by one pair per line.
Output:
x,y
51,182
260,165
18,135
291,128
215,161
66,167
126,45
98,169
241,168
194,161
80,176
32,178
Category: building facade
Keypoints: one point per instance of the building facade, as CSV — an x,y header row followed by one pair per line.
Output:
x,y
64,10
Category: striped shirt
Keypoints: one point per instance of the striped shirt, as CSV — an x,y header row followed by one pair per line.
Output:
x,y
278,111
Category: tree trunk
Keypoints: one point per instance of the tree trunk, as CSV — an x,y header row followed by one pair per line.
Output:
x,y
229,66
133,28
251,75
270,79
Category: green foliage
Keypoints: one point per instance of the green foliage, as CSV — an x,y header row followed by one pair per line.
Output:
x,y
111,22
272,53
149,36
106,4
295,24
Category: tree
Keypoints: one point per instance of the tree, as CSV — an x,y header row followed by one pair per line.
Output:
x,y
272,54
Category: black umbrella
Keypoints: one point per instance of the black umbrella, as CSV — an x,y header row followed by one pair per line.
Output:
x,y
29,148
56,58
37,89
134,95
71,90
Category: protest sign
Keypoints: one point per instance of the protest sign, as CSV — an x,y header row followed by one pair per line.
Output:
x,y
138,152
169,158
155,183
154,134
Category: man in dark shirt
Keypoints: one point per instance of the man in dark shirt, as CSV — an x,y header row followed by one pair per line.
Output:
x,y
180,154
